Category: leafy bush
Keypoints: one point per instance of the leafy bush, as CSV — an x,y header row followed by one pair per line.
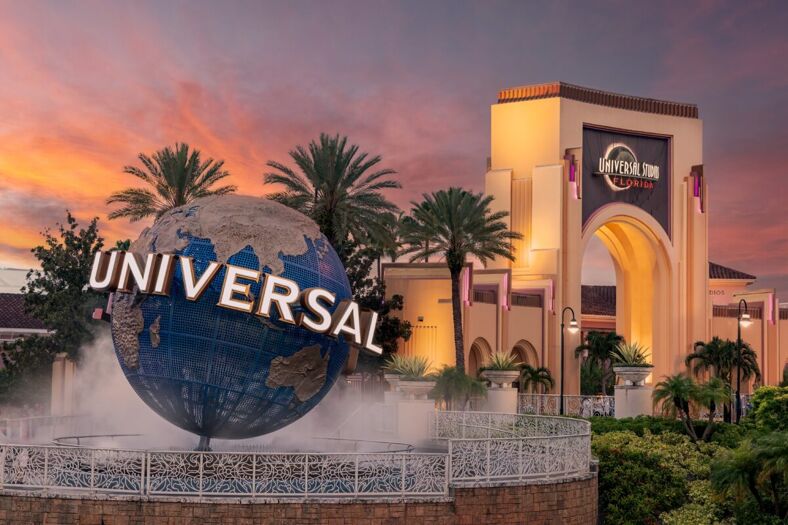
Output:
x,y
703,508
755,476
770,408
641,478
725,434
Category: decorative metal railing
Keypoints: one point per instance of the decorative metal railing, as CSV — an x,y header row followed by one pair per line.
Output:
x,y
580,406
482,448
205,474
489,448
589,406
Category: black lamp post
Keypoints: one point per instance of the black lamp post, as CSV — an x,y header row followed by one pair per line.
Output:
x,y
573,329
745,321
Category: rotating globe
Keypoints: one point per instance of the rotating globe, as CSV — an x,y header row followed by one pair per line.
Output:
x,y
218,372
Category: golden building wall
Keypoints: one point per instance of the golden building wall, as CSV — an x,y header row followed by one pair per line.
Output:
x,y
531,138
663,297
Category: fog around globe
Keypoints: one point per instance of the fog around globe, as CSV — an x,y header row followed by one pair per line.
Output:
x,y
217,372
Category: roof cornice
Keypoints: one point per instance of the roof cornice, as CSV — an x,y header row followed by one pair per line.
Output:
x,y
598,97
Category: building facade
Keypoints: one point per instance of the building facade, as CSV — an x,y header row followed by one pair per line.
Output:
x,y
570,163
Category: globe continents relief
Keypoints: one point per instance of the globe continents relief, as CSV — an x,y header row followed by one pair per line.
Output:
x,y
217,372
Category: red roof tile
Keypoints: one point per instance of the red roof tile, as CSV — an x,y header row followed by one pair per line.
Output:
x,y
718,271
13,316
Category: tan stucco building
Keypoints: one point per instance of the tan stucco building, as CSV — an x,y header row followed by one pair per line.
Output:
x,y
569,163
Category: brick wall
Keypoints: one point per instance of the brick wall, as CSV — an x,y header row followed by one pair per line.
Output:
x,y
567,503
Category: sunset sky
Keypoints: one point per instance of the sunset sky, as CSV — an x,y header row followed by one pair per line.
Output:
x,y
85,87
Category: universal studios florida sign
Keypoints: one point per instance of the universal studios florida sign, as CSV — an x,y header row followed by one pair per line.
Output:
x,y
153,274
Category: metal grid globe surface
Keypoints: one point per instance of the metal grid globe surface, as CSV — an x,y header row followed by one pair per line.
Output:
x,y
205,368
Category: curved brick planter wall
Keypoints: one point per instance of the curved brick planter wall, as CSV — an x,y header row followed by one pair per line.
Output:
x,y
568,502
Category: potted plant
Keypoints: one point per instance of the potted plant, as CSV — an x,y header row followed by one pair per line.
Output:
x,y
410,374
456,389
630,363
502,370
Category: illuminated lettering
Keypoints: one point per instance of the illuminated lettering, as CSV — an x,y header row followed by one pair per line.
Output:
x,y
347,321
194,290
310,301
130,268
231,287
104,271
281,300
153,274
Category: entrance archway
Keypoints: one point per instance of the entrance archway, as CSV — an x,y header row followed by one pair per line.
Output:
x,y
642,260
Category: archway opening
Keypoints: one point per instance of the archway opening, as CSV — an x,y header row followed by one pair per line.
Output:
x,y
636,306
477,356
525,353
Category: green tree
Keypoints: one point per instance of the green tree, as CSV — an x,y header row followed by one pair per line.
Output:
x,y
177,175
340,189
370,293
712,394
57,294
757,469
533,377
459,225
674,394
720,358
25,378
600,347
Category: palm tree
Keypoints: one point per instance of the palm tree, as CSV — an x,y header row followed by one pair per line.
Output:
x,y
459,225
455,388
532,377
339,188
757,468
601,346
177,176
715,356
721,357
712,394
674,394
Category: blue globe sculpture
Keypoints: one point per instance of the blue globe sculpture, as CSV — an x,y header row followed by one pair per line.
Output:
x,y
217,372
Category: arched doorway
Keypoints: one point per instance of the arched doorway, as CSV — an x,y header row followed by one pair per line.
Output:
x,y
525,353
477,356
641,254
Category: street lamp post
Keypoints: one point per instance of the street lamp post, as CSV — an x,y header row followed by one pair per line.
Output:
x,y
745,321
573,329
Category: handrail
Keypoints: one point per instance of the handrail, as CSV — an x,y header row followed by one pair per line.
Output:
x,y
482,449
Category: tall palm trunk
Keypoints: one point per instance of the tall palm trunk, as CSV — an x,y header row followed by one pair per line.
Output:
x,y
456,310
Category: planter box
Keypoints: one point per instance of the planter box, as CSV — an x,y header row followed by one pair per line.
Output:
x,y
633,375
416,389
501,378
